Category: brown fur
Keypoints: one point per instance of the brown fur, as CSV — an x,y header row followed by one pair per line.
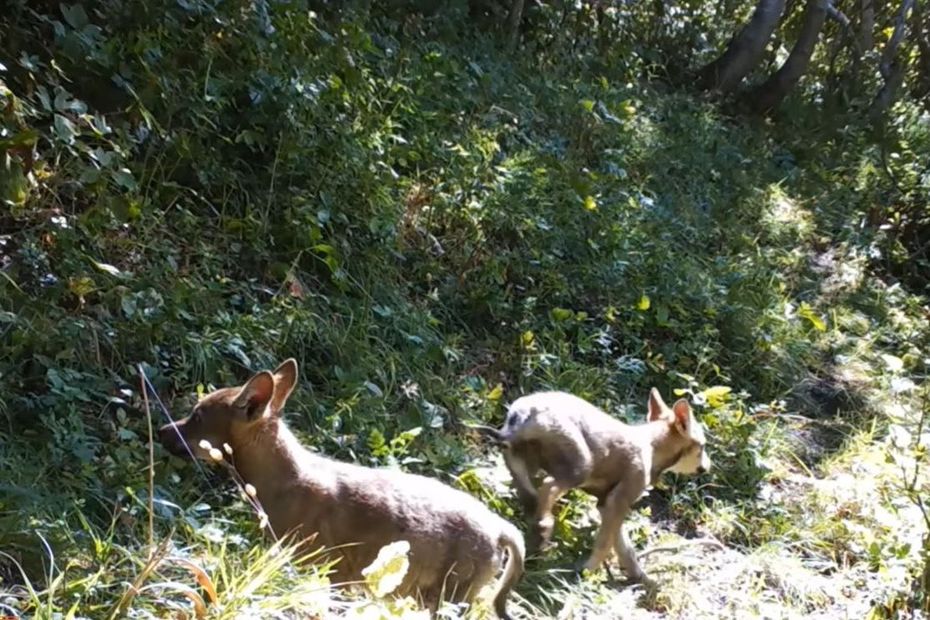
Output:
x,y
579,446
456,542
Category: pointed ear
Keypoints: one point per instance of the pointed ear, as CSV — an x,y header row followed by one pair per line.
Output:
x,y
285,378
683,415
657,406
255,395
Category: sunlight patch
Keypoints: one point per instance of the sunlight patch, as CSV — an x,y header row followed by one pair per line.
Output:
x,y
783,215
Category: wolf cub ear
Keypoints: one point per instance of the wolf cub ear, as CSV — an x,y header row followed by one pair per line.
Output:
x,y
657,406
682,411
285,377
255,395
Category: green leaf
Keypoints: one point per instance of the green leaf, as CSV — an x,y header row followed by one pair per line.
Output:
x,y
662,314
26,137
324,248
110,269
128,305
386,573
587,104
496,393
376,443
99,124
64,129
561,314
14,185
808,313
644,302
75,15
81,287
590,203
123,177
716,395
412,433
894,363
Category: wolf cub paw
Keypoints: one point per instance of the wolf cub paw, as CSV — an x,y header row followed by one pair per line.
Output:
x,y
648,583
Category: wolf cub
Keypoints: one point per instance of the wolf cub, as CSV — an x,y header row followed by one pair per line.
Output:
x,y
576,445
457,545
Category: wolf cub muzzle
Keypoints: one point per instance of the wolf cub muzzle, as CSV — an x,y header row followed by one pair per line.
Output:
x,y
457,545
554,441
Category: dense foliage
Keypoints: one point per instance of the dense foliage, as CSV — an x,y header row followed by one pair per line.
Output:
x,y
432,223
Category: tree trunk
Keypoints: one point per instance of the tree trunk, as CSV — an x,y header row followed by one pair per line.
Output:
x,y
744,50
890,66
771,93
921,28
886,94
767,64
513,22
866,24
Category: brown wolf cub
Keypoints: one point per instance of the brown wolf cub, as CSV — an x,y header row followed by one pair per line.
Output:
x,y
456,543
577,445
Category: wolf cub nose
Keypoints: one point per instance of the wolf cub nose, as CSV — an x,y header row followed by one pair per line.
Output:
x,y
169,438
701,470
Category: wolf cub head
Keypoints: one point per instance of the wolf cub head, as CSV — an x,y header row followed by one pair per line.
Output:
x,y
229,416
686,435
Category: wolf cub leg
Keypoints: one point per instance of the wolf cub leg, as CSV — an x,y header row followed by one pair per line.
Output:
x,y
611,536
522,472
628,561
567,468
549,493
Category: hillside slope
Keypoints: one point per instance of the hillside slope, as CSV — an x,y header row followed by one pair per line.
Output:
x,y
432,227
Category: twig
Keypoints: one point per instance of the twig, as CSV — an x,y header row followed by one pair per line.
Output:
x,y
840,17
156,556
174,426
693,542
762,415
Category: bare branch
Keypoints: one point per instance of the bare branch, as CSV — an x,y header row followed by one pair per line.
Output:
x,y
891,67
921,28
897,36
840,17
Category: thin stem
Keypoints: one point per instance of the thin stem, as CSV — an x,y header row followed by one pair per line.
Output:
x,y
148,417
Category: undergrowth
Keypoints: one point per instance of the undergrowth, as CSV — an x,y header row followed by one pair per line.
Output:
x,y
432,227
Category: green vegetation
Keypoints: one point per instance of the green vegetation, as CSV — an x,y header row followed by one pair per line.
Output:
x,y
433,224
